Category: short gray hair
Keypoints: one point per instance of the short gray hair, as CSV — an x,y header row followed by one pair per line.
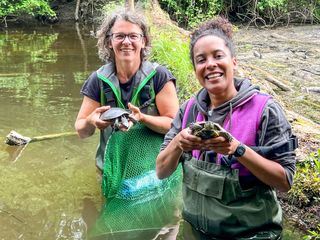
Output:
x,y
104,31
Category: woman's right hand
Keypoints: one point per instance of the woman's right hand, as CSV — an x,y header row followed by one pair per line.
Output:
x,y
94,118
187,142
168,159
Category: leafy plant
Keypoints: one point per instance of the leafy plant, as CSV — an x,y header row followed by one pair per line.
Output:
x,y
32,7
313,234
172,50
112,6
190,13
271,4
306,187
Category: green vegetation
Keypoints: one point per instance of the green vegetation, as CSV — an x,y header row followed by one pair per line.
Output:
x,y
305,191
188,13
32,7
112,6
313,234
170,48
306,188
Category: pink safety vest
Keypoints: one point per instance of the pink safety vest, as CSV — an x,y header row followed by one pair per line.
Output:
x,y
246,118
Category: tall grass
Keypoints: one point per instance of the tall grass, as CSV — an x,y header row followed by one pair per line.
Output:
x,y
171,49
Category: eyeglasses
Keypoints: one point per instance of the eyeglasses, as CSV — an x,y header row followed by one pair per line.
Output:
x,y
120,37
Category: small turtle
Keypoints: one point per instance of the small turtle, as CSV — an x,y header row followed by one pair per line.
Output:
x,y
209,129
119,118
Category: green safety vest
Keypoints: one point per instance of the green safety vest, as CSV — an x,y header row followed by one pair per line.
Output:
x,y
143,96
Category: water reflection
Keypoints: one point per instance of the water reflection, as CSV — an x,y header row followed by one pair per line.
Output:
x,y
49,188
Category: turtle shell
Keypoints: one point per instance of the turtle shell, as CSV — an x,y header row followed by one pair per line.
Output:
x,y
113,113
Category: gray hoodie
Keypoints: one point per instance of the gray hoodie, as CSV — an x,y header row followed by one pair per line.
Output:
x,y
274,127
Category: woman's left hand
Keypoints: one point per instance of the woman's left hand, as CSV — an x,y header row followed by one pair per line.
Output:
x,y
135,112
220,145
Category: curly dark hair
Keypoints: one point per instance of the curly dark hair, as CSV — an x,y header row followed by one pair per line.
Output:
x,y
219,27
104,31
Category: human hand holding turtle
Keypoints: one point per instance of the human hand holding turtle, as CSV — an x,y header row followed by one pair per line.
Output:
x,y
118,118
214,137
94,118
135,112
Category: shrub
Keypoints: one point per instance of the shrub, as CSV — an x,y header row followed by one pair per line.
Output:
x,y
189,13
306,188
32,7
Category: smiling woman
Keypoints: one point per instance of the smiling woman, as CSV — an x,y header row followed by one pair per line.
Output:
x,y
214,67
229,179
126,43
147,90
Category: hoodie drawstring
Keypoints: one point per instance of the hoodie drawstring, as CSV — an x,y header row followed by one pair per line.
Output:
x,y
230,117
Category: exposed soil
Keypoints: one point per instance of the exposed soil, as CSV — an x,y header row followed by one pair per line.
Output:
x,y
291,56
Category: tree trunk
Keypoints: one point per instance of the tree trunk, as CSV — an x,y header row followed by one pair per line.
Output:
x,y
130,5
76,13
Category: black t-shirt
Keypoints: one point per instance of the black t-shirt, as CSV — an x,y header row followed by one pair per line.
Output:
x,y
91,87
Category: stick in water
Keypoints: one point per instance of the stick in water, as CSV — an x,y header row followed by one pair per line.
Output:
x,y
16,139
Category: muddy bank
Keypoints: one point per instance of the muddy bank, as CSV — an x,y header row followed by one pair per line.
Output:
x,y
290,56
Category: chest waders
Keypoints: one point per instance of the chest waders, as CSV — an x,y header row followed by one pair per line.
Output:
x,y
137,202
215,204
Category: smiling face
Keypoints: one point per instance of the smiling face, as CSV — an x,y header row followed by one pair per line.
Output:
x,y
214,66
126,50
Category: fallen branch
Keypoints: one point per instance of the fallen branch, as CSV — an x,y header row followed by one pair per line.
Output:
x,y
12,215
313,89
306,70
16,139
278,84
12,74
271,79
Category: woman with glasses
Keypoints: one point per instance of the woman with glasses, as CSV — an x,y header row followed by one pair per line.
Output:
x,y
127,80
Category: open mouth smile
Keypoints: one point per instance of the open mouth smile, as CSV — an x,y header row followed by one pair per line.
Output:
x,y
213,76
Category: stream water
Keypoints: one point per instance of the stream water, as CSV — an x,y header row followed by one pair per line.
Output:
x,y
49,189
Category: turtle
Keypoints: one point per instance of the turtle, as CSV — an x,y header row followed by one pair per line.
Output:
x,y
119,117
209,129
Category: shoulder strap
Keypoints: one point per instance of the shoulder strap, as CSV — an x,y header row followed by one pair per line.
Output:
x,y
106,95
148,70
106,74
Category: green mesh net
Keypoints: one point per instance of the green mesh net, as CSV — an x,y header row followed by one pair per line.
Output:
x,y
137,202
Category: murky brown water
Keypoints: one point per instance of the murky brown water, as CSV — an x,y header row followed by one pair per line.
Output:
x,y
49,189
